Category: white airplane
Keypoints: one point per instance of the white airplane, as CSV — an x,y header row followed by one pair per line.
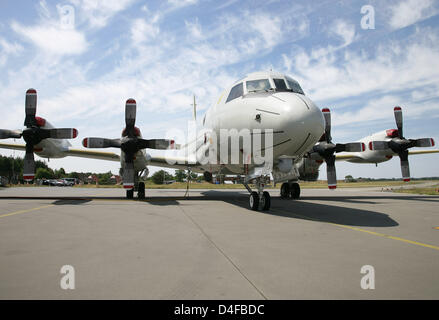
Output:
x,y
272,103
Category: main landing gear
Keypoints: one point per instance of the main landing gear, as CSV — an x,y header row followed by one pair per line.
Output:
x,y
260,199
140,191
290,190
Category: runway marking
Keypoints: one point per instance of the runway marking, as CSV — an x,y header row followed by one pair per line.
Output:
x,y
372,232
389,236
24,211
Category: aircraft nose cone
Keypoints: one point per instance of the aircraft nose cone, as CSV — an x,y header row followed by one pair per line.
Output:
x,y
302,121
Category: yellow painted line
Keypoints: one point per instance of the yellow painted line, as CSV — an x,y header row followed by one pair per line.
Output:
x,y
374,233
24,211
388,236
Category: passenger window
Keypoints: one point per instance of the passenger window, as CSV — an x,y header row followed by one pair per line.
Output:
x,y
280,84
236,92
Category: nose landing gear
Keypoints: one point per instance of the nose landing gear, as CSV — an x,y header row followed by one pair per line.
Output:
x,y
261,199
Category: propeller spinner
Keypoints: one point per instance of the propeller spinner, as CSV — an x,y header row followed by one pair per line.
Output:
x,y
326,150
34,133
400,145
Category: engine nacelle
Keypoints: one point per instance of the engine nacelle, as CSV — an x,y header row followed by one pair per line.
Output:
x,y
309,169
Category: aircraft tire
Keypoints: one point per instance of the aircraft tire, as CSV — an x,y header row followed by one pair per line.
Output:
x,y
130,193
141,190
267,201
295,190
285,190
254,201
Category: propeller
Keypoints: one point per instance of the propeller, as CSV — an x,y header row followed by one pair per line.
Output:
x,y
326,150
400,145
35,133
130,143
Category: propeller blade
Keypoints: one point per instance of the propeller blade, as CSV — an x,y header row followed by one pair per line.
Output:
x,y
101,143
424,142
350,147
30,108
130,117
160,144
59,133
398,119
128,175
5,134
29,163
330,172
378,145
405,168
327,116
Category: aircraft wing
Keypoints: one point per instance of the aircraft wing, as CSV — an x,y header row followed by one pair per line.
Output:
x,y
71,152
101,155
174,162
423,151
341,157
13,146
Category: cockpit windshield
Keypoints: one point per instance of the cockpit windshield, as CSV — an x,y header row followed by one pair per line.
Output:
x,y
294,85
258,85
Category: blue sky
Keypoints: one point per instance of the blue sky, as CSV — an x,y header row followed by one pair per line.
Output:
x,y
86,65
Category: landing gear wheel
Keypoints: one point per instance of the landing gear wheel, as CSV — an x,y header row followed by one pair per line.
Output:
x,y
285,190
141,190
295,191
130,193
267,201
254,201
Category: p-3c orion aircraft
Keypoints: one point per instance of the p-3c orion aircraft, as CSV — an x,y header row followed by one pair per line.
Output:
x,y
264,103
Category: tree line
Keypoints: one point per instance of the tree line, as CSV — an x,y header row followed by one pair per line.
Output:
x,y
12,169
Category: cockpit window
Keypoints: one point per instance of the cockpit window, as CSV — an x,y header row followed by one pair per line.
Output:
x,y
235,92
294,85
280,85
258,85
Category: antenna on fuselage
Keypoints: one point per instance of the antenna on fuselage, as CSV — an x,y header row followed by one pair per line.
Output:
x,y
195,109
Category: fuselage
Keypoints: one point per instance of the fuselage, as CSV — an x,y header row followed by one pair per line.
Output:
x,y
262,102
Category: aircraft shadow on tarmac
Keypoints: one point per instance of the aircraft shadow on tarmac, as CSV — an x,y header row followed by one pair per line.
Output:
x,y
300,209
294,209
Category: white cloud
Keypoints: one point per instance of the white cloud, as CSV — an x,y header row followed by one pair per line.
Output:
x,y
97,13
53,40
142,31
409,12
182,3
194,29
344,30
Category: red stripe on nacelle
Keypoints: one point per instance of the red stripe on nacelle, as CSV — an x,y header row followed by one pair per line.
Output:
x,y
31,91
85,142
325,110
128,186
131,101
363,147
332,187
406,179
75,133
397,108
370,146
28,177
432,142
